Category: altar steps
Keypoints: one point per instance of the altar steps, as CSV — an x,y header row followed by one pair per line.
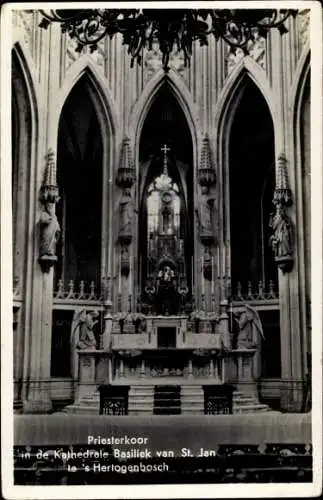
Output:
x,y
89,404
141,400
242,403
167,400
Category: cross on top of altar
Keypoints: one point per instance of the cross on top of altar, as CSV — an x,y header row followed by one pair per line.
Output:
x,y
165,150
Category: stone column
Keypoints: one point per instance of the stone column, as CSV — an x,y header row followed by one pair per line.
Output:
x,y
224,325
38,326
292,357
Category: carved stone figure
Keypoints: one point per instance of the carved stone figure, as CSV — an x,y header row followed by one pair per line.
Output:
x,y
82,335
126,216
49,231
282,240
205,220
250,328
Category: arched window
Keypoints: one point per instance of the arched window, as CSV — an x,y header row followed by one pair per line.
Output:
x,y
166,189
79,162
251,185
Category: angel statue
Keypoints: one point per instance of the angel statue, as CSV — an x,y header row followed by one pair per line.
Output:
x,y
82,333
250,328
82,336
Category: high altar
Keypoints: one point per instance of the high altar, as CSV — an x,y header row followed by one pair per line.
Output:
x,y
167,356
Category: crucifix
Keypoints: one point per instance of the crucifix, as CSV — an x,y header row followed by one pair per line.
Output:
x,y
165,149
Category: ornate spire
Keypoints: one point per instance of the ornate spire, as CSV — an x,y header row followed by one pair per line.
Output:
x,y
49,190
206,171
126,172
282,194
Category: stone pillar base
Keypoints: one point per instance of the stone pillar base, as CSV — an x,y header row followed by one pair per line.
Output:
x,y
38,399
245,381
36,406
292,396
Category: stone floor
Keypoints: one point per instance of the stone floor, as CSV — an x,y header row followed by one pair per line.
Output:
x,y
166,431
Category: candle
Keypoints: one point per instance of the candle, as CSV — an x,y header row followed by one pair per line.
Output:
x,y
140,264
202,277
223,263
119,287
130,279
192,273
212,275
218,259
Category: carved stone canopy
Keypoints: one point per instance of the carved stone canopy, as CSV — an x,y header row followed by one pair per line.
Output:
x,y
126,172
206,171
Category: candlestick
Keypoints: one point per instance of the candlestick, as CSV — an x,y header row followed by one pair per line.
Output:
x,y
192,272
202,277
119,284
130,277
140,271
212,275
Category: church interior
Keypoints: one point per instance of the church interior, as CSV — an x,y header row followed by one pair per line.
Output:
x,y
161,226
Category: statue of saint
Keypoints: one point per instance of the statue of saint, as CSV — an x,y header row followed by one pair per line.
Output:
x,y
126,216
49,231
82,331
166,274
204,214
282,239
250,328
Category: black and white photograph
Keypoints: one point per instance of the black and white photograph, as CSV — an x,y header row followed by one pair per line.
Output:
x,y
161,259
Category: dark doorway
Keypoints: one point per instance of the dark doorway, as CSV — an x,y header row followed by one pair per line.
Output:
x,y
252,184
166,337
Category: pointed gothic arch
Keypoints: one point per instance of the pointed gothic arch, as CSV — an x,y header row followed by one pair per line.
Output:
x,y
85,66
245,67
84,146
24,134
85,70
300,104
143,104
246,158
24,120
164,121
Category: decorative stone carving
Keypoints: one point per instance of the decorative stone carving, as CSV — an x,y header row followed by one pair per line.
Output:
x,y
303,25
250,328
153,62
207,263
125,261
24,20
126,172
206,171
48,223
82,330
126,220
70,54
256,50
282,239
205,221
50,231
